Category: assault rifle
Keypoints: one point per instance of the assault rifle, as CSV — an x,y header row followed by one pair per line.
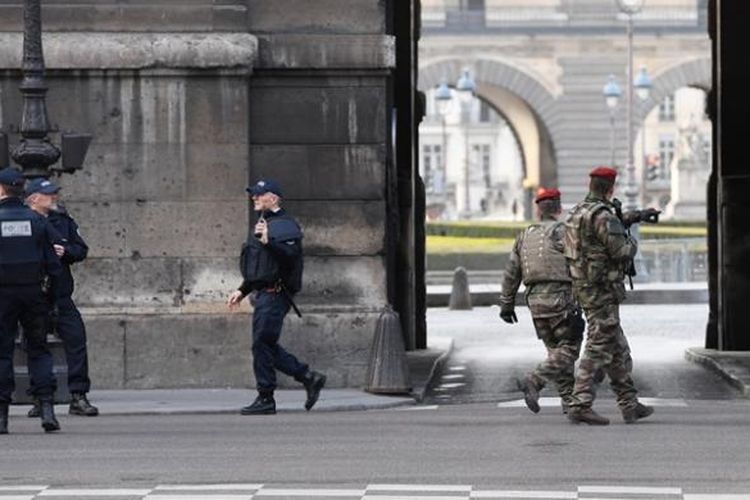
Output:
x,y
649,215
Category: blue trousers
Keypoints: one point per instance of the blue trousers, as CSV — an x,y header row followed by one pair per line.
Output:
x,y
268,355
28,305
72,332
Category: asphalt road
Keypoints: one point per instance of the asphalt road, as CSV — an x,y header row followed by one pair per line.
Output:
x,y
701,447
697,440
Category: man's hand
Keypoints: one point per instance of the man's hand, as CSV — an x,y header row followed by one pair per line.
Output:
x,y
59,250
508,315
650,215
235,299
261,231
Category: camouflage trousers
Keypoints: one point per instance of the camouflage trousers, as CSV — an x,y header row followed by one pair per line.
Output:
x,y
606,349
563,347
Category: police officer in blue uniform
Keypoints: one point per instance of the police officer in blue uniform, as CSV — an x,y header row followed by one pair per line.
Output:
x,y
42,196
271,265
28,264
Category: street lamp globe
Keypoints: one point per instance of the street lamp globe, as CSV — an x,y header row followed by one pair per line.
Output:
x,y
612,93
443,98
642,84
630,7
466,86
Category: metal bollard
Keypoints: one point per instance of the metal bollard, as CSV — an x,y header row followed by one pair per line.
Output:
x,y
460,296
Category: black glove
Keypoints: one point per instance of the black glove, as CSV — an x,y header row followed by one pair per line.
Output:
x,y
650,215
508,315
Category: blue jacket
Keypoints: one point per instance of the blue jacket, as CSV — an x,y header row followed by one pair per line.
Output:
x,y
76,248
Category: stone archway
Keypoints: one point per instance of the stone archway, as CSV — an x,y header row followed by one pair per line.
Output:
x,y
534,113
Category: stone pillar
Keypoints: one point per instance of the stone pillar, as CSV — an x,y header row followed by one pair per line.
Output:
x,y
733,79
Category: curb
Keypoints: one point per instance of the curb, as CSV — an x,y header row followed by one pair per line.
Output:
x,y
437,367
739,378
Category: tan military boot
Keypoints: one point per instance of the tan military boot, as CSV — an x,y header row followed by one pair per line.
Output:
x,y
639,411
586,416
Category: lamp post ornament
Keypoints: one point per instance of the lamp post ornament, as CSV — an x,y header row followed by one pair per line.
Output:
x,y
35,153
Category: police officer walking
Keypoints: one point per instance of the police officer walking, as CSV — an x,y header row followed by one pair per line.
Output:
x,y
537,260
598,250
271,264
42,196
27,262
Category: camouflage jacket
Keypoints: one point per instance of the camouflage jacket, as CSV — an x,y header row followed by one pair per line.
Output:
x,y
537,260
597,249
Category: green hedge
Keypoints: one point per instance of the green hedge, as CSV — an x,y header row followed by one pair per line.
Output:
x,y
501,229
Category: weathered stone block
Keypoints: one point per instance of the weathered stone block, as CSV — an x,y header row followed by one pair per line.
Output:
x,y
319,16
303,115
323,172
326,51
214,350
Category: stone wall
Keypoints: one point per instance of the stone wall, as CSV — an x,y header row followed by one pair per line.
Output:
x,y
181,123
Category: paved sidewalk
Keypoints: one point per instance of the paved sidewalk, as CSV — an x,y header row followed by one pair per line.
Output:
x,y
733,366
212,401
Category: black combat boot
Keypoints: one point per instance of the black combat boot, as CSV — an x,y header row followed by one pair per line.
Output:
x,y
586,416
530,393
79,405
3,418
314,383
264,404
34,411
638,412
47,413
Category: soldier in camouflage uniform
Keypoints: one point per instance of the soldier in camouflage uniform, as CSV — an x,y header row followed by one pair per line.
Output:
x,y
537,260
598,249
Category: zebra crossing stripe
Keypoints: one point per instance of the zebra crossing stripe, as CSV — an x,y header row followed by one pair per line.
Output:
x,y
209,487
289,492
112,492
420,487
203,496
713,496
523,494
413,497
629,490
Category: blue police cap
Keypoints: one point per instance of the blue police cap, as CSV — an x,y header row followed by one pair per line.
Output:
x,y
11,177
265,186
41,185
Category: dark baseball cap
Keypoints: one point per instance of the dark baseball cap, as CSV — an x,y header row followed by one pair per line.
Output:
x,y
11,177
265,186
41,185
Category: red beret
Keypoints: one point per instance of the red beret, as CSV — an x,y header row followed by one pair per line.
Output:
x,y
546,194
605,172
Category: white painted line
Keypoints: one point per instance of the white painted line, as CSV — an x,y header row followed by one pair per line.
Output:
x,y
457,368
17,497
279,492
204,496
630,490
214,487
23,487
520,403
412,497
712,496
418,487
413,408
94,493
456,376
523,494
676,403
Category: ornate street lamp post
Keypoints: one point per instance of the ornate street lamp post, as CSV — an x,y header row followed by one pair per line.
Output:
x,y
466,88
612,95
35,153
443,97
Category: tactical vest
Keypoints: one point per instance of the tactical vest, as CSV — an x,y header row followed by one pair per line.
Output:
x,y
540,261
21,255
588,259
262,268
